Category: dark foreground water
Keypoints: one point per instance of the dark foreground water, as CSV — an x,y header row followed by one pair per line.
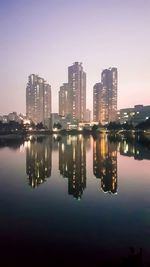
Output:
x,y
74,201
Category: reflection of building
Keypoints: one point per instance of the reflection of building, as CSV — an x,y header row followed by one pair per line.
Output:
x,y
72,163
38,161
133,150
105,163
38,99
134,115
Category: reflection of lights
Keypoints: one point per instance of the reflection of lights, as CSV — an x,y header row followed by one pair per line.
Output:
x,y
63,148
126,148
80,128
26,121
55,130
27,144
80,136
22,148
69,140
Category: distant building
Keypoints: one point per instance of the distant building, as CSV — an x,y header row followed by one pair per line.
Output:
x,y
77,91
64,102
65,122
109,79
97,98
38,99
134,115
5,119
105,97
88,115
13,116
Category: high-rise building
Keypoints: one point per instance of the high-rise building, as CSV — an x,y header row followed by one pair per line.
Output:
x,y
77,91
105,97
38,99
109,79
88,115
97,90
64,100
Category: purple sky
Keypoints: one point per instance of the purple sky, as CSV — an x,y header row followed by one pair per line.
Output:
x,y
46,36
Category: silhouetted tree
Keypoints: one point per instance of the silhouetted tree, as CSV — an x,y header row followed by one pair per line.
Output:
x,y
40,126
94,128
57,125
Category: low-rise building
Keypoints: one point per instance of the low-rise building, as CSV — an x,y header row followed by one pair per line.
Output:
x,y
134,115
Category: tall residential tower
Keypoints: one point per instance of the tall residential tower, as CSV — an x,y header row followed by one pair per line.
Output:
x,y
64,104
105,97
38,99
72,95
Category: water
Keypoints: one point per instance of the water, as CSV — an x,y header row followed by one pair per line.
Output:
x,y
73,201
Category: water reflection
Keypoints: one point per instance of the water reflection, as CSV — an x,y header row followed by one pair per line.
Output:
x,y
38,160
96,229
72,160
72,163
134,149
105,163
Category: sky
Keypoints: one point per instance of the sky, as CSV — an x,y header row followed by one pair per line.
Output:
x,y
46,36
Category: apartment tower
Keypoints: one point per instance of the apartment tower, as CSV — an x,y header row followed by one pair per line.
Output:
x,y
64,104
38,99
77,91
105,97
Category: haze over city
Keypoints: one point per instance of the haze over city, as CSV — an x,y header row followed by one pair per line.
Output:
x,y
45,37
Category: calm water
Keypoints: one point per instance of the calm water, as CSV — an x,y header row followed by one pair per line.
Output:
x,y
73,200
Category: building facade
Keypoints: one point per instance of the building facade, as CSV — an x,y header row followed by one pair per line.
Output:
x,y
105,97
38,99
77,91
135,115
97,98
88,115
64,100
109,79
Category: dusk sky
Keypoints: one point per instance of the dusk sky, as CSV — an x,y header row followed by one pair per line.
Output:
x,y
46,36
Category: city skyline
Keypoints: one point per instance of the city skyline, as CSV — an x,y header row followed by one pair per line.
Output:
x,y
54,34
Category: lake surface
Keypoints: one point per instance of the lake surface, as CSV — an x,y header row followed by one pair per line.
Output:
x,y
73,201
